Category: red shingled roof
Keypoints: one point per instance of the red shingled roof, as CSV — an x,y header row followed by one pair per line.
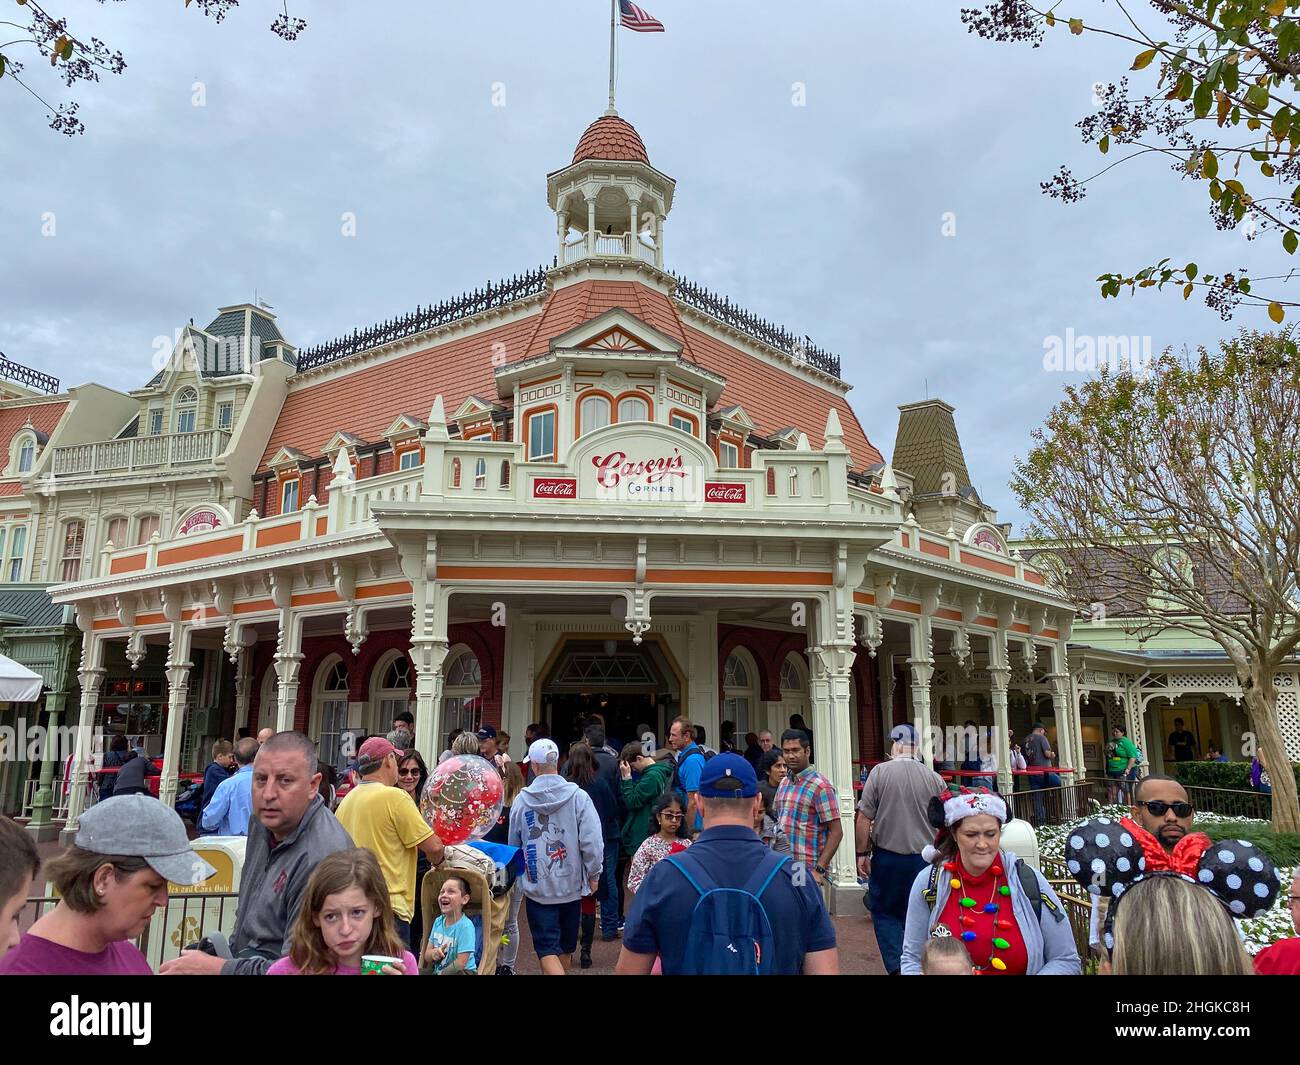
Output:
x,y
610,137
43,416
366,402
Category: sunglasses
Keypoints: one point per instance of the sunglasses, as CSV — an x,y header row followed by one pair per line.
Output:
x,y
670,817
408,772
1158,807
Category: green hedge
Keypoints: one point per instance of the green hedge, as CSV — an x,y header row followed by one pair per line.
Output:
x,y
1282,847
1232,775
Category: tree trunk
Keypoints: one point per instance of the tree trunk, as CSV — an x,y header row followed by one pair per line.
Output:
x,y
1261,706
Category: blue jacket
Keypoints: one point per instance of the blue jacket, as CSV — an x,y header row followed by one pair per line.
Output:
x,y
213,775
1049,941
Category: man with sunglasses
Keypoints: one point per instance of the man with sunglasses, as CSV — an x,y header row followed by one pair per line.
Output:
x,y
1161,806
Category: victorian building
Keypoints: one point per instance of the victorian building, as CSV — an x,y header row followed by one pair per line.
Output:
x,y
594,486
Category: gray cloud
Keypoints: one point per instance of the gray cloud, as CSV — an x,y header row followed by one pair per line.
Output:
x,y
825,217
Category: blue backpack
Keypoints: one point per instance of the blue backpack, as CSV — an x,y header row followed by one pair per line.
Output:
x,y
730,934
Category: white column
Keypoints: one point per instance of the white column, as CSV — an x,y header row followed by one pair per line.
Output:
x,y
288,650
921,663
91,676
591,236
429,647
831,662
243,687
702,678
999,676
178,693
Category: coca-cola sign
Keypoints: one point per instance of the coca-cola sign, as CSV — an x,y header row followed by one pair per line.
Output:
x,y
555,488
725,492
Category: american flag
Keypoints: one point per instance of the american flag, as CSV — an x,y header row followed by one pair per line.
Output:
x,y
635,18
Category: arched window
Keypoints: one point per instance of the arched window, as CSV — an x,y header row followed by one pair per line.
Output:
x,y
480,473
26,454
74,535
1171,572
816,482
331,712
455,473
187,405
633,409
116,533
738,694
505,473
771,480
460,698
593,413
393,695
148,525
791,678
794,482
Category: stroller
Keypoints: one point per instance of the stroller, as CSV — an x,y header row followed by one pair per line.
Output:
x,y
487,914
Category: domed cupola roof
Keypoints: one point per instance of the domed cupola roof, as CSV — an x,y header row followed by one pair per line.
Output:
x,y
611,137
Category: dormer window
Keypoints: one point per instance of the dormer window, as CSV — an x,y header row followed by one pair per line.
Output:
x,y
633,409
156,422
187,405
289,496
410,459
541,436
728,455
225,415
26,455
594,413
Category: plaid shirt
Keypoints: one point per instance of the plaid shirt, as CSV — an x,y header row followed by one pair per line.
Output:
x,y
805,806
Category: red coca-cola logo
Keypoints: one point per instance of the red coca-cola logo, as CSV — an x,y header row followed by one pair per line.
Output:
x,y
555,488
724,492
614,467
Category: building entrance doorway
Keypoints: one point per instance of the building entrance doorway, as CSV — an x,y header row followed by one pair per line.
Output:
x,y
624,713
629,686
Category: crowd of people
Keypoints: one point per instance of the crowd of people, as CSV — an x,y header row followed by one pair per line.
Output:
x,y
698,861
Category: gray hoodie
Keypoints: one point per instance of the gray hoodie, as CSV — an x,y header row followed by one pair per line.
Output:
x,y
556,826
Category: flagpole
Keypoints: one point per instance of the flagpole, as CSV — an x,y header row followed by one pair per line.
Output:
x,y
612,5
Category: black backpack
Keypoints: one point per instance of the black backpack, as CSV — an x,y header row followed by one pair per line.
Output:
x,y
676,784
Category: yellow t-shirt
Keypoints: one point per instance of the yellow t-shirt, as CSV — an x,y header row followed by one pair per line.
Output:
x,y
386,822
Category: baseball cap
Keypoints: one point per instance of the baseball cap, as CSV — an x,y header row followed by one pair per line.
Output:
x,y
140,826
544,752
487,732
903,734
726,776
373,752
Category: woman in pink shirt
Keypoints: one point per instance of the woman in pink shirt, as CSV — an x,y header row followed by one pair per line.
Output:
x,y
110,882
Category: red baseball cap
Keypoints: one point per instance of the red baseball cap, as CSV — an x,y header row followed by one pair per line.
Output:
x,y
373,752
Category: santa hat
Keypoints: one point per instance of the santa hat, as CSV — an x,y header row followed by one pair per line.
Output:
x,y
946,809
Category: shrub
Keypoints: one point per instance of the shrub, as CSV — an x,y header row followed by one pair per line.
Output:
x,y
1282,847
1231,775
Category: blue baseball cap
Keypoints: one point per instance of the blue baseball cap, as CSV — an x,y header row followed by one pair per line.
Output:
x,y
738,775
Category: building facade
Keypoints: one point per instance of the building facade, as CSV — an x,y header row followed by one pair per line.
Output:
x,y
596,486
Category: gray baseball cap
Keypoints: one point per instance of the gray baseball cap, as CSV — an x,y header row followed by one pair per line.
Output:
x,y
142,827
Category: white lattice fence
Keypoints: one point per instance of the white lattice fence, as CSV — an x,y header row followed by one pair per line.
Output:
x,y
1288,719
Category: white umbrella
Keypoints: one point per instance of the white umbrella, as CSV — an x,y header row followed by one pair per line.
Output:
x,y
18,684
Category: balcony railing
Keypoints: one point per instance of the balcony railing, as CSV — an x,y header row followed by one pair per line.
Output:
x,y
140,452
627,245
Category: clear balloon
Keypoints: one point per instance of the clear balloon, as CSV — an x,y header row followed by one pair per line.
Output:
x,y
463,798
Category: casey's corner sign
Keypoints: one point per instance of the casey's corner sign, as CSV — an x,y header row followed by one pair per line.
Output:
x,y
655,466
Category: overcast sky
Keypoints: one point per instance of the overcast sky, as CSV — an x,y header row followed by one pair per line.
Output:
x,y
827,217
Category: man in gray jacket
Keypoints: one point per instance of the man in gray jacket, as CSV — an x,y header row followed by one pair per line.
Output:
x,y
292,830
556,826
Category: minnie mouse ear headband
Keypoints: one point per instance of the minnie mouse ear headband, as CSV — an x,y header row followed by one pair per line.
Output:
x,y
1108,857
946,809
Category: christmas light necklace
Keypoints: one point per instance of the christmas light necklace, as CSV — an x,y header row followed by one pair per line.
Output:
x,y
990,907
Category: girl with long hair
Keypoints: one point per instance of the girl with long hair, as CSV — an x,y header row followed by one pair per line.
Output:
x,y
345,915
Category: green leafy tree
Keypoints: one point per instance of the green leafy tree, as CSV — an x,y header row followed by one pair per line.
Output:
x,y
1174,495
78,58
1218,101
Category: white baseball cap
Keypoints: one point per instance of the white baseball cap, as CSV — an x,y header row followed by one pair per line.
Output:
x,y
544,752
